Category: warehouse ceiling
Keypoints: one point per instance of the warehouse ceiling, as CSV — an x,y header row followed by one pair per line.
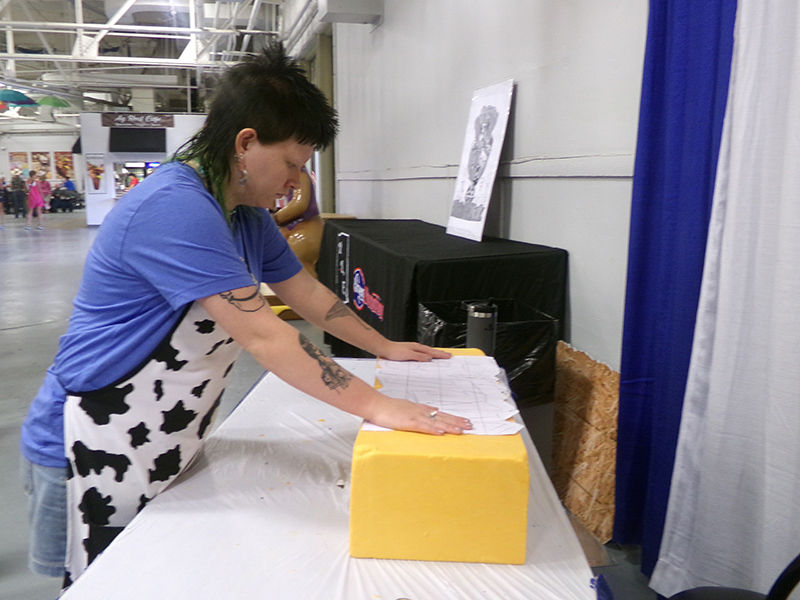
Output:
x,y
104,54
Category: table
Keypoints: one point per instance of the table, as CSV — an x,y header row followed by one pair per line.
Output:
x,y
385,268
263,513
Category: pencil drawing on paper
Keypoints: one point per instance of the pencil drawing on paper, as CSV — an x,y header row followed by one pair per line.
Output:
x,y
466,208
480,155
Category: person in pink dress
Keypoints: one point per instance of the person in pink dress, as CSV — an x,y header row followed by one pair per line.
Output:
x,y
35,200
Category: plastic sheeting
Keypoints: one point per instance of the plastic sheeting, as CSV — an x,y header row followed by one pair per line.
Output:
x,y
525,344
264,513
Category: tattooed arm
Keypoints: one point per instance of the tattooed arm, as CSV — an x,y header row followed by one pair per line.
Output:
x,y
318,305
278,347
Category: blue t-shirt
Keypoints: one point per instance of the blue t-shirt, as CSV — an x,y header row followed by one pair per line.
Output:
x,y
164,245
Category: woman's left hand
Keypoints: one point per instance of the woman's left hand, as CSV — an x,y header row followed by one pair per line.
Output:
x,y
403,415
411,351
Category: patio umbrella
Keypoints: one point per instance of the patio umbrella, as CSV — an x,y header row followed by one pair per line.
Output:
x,y
14,97
53,101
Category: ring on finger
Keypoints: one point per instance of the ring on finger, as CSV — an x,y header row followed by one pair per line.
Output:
x,y
433,414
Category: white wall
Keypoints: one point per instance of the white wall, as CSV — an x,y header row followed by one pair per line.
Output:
x,y
94,141
403,92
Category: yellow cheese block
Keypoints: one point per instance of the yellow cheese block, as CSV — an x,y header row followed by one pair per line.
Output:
x,y
443,498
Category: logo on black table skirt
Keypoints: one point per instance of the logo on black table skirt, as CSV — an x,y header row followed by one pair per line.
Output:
x,y
363,297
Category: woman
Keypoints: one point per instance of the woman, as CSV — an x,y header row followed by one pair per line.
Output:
x,y
19,193
169,297
3,199
46,189
35,200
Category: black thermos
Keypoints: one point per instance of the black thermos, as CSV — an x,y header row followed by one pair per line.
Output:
x,y
481,325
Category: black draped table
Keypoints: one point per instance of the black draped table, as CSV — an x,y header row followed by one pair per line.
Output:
x,y
384,269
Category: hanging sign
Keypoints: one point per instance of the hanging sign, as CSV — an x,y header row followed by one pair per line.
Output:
x,y
120,119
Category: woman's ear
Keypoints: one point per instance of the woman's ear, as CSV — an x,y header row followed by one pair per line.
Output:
x,y
244,138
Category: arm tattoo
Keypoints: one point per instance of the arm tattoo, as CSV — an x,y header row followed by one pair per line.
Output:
x,y
333,375
340,310
239,302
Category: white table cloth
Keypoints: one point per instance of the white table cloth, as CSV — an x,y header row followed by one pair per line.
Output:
x,y
264,511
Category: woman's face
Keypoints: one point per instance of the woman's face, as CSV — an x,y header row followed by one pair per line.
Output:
x,y
272,171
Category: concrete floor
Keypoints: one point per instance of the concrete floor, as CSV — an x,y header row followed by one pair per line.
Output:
x,y
39,276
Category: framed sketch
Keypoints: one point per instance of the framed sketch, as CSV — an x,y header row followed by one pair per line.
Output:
x,y
480,155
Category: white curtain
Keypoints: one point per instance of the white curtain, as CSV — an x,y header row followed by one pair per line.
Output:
x,y
734,509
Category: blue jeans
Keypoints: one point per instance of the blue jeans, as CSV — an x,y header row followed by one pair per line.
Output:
x,y
46,488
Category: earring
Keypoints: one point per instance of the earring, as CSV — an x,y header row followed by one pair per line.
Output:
x,y
243,177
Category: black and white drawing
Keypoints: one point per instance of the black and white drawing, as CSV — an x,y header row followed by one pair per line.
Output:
x,y
479,159
466,208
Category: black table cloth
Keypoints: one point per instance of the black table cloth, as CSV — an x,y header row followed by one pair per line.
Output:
x,y
383,269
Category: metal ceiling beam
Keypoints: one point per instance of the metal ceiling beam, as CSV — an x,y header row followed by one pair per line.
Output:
x,y
121,12
66,27
219,45
250,23
173,63
43,40
54,90
94,78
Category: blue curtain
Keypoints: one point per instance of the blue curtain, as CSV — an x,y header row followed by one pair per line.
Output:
x,y
684,91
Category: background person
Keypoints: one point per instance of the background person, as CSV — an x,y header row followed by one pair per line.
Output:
x,y
35,201
165,306
46,189
4,198
19,194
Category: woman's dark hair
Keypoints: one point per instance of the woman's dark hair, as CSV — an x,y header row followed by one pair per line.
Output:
x,y
269,93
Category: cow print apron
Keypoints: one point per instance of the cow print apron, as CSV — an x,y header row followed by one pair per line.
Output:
x,y
128,441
